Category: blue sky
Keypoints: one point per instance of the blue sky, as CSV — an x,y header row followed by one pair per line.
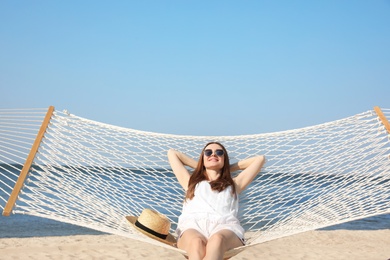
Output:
x,y
197,67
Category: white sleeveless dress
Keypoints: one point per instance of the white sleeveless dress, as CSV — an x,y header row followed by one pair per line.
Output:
x,y
210,211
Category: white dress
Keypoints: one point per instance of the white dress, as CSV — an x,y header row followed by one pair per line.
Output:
x,y
210,211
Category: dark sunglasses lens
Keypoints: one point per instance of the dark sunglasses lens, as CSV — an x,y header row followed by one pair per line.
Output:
x,y
208,152
219,153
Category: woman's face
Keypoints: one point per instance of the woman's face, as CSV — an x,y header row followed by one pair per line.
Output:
x,y
215,160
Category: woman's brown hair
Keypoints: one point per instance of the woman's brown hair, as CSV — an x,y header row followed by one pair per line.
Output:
x,y
225,179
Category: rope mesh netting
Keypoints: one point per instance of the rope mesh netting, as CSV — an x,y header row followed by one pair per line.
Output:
x,y
93,174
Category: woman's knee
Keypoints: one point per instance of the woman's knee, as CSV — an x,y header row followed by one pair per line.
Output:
x,y
192,241
217,239
224,240
196,248
197,242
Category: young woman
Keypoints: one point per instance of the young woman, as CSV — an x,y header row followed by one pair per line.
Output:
x,y
208,225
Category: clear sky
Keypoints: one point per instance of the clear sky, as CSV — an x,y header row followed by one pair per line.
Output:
x,y
197,67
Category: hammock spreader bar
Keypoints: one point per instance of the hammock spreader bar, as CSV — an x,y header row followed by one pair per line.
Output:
x,y
27,165
382,117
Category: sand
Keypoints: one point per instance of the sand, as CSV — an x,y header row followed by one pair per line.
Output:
x,y
313,245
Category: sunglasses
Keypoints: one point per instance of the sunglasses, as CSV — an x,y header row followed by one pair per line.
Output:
x,y
218,152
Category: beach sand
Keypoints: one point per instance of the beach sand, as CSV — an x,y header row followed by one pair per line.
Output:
x,y
312,245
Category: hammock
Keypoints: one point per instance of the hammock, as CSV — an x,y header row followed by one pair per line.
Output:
x,y
92,174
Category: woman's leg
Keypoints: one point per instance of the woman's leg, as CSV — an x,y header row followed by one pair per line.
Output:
x,y
221,242
194,243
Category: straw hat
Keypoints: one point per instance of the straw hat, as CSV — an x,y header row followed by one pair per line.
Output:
x,y
153,224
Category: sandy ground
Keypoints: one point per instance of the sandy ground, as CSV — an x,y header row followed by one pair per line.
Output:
x,y
313,245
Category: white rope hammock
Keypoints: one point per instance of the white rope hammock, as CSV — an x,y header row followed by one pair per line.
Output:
x,y
93,174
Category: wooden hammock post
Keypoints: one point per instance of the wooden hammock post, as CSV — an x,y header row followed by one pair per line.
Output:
x,y
27,165
382,118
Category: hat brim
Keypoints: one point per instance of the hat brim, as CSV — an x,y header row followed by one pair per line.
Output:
x,y
170,240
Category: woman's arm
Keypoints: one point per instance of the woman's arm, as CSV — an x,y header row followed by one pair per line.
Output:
x,y
250,168
178,161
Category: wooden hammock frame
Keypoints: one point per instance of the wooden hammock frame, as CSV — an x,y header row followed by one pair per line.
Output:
x,y
27,165
382,117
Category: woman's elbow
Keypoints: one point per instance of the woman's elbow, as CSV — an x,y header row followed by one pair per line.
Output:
x,y
171,153
261,159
